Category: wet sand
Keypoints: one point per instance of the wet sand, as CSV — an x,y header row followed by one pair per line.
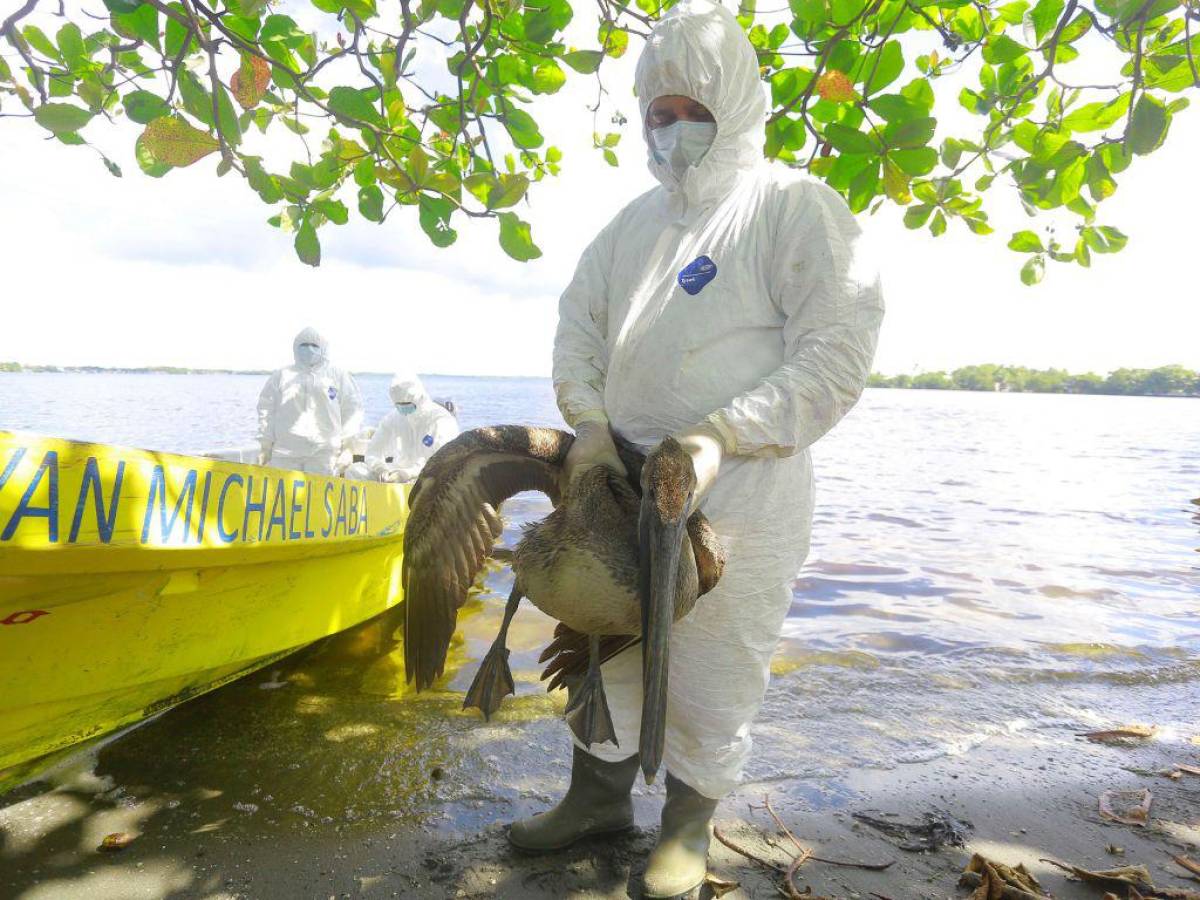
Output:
x,y
323,778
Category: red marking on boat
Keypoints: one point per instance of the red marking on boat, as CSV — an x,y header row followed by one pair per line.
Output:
x,y
24,617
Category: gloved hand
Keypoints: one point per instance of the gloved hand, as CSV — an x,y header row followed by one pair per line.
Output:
x,y
264,452
706,446
344,460
593,446
399,474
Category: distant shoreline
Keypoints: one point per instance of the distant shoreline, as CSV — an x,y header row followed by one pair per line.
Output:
x,y
19,369
1164,381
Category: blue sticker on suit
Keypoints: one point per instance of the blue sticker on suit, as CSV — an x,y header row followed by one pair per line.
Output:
x,y
696,274
332,393
427,440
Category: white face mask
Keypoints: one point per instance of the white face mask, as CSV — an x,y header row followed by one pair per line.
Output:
x,y
308,355
682,143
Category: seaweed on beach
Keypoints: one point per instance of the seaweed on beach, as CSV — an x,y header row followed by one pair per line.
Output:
x,y
936,830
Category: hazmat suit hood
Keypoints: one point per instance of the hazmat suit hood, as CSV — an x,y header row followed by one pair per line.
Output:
x,y
310,336
698,50
407,388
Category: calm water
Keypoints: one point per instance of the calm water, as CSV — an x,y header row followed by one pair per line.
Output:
x,y
980,563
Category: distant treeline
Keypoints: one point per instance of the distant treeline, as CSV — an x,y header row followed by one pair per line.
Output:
x,y
1165,381
123,370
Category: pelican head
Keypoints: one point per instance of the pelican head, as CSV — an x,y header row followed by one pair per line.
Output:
x,y
668,484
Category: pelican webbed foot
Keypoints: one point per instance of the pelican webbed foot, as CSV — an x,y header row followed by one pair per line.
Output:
x,y
493,682
587,712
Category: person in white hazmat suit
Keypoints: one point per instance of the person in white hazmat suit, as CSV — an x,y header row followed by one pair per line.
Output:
x,y
308,412
411,433
735,308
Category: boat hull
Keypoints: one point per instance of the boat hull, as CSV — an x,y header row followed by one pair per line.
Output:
x,y
131,581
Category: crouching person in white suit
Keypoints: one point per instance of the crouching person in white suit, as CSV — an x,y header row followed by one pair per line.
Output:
x,y
411,433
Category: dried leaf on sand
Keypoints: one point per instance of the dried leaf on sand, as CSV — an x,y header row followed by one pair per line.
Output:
x,y
1187,863
1119,878
1191,770
1126,882
1121,734
118,840
1127,807
996,881
718,886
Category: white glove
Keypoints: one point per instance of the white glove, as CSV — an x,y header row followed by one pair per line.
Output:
x,y
344,460
399,474
593,446
706,446
264,453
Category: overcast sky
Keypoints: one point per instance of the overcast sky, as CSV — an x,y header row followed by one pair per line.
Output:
x,y
185,271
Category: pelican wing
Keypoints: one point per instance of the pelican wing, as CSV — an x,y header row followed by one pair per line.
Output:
x,y
454,521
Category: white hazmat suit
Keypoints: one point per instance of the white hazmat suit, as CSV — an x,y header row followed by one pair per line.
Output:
x,y
407,436
308,412
736,294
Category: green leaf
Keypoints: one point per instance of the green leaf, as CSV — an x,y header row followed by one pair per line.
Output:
x,y
308,246
265,185
913,133
370,203
883,67
1148,127
434,215
61,118
1033,270
896,108
848,140
144,107
364,172
353,107
613,40
919,161
543,21
176,34
1025,242
583,61
334,210
1044,16
515,238
916,216
522,128
938,226
141,23
548,78
611,158
508,191
70,43
1104,239
38,40
1097,116
1000,48
145,159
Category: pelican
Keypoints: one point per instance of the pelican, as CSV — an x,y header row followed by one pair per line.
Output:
x,y
617,561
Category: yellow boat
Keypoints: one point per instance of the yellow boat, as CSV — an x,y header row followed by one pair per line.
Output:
x,y
131,580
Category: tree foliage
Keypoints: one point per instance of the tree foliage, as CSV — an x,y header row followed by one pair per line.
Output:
x,y
327,106
1165,381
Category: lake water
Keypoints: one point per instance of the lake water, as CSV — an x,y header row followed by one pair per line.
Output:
x,y
980,562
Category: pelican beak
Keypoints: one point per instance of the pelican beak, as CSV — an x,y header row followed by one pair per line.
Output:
x,y
661,539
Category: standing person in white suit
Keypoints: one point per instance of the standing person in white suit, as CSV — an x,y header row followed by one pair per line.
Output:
x,y
733,307
308,412
413,431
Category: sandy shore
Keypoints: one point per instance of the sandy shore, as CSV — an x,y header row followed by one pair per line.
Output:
x,y
284,785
